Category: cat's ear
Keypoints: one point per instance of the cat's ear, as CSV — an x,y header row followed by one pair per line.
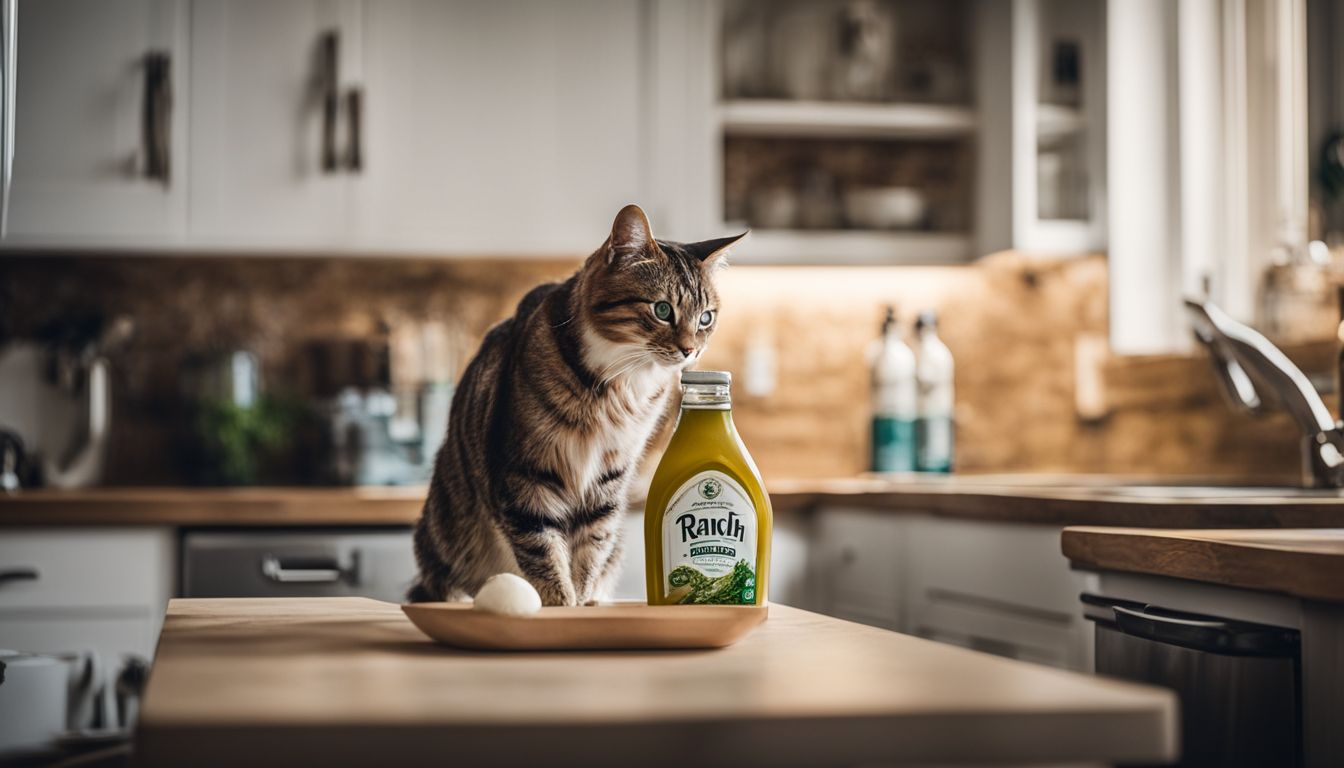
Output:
x,y
714,253
631,235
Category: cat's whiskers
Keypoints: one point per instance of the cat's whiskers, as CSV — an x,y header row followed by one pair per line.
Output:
x,y
632,361
620,360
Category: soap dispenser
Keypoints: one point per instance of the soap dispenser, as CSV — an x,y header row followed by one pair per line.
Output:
x,y
894,401
934,426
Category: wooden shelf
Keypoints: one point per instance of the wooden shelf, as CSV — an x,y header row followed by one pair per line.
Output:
x,y
855,247
842,119
1055,120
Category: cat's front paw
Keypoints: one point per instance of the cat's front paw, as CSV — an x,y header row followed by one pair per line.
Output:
x,y
557,594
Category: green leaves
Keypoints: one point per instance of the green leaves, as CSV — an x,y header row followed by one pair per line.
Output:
x,y
733,588
236,442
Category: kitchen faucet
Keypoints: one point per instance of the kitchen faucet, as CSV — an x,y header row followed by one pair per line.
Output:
x,y
1254,373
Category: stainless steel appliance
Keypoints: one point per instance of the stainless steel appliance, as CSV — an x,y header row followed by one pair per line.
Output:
x,y
1239,683
375,563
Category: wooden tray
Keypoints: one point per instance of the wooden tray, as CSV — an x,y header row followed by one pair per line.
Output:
x,y
616,626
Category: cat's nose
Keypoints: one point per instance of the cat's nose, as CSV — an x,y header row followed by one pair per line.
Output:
x,y
687,351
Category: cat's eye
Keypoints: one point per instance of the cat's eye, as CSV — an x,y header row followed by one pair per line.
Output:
x,y
706,318
662,310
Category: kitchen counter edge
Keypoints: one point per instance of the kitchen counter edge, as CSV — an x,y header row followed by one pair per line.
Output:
x,y
1045,500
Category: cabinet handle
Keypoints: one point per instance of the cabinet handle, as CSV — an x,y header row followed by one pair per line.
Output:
x,y
354,112
156,118
19,574
329,77
1206,633
305,571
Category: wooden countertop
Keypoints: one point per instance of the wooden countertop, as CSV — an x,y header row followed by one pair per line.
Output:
x,y
349,681
1075,500
1043,499
1306,563
215,506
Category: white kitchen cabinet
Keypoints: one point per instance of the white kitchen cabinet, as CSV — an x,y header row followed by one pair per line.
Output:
x,y
519,127
502,127
515,127
260,125
1004,588
103,589
860,562
81,160
1041,86
792,563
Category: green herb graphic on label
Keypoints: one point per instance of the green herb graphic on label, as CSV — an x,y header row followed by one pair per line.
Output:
x,y
691,587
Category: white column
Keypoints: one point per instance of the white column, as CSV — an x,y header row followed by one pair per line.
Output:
x,y
1144,172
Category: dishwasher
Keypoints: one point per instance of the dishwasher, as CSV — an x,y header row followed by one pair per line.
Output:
x,y
1239,683
377,563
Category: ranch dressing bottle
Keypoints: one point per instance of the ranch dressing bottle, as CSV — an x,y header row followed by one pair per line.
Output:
x,y
707,522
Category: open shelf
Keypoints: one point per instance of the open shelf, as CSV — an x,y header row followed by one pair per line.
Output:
x,y
1056,120
854,247
845,119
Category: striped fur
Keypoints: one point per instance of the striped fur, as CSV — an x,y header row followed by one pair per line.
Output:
x,y
553,415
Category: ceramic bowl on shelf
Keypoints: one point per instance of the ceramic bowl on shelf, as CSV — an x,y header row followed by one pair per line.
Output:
x,y
885,208
774,208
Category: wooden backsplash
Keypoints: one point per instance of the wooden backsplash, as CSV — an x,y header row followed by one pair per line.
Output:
x,y
1014,325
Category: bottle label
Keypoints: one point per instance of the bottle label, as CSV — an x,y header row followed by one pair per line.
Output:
x,y
709,542
934,437
893,442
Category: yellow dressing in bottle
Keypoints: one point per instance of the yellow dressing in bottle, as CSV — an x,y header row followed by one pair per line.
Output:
x,y
707,522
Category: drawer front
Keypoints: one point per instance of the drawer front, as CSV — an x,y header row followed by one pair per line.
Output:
x,y
860,562
111,632
996,563
1037,636
86,567
380,565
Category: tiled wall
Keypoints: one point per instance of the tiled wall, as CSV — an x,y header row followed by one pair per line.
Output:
x,y
1012,323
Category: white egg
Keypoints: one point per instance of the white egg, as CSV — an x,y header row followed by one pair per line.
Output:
x,y
508,594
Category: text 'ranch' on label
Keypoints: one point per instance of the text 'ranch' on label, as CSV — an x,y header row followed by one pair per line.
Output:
x,y
709,542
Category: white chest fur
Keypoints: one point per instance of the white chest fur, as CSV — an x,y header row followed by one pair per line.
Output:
x,y
634,395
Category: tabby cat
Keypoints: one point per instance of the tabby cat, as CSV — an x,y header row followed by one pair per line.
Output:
x,y
554,413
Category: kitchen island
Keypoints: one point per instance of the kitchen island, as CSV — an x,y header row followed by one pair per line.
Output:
x,y
349,681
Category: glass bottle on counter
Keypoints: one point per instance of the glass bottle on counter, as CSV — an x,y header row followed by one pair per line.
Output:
x,y
934,373
894,401
708,520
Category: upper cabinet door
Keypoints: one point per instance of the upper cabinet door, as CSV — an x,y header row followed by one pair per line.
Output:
x,y
270,122
1042,145
512,126
100,119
